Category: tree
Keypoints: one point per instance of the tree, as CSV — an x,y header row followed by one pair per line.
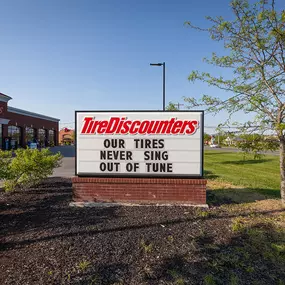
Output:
x,y
171,107
255,144
254,43
207,137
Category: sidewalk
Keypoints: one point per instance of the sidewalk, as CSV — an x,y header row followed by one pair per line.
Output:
x,y
67,169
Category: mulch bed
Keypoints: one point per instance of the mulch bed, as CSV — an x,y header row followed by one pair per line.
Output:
x,y
45,241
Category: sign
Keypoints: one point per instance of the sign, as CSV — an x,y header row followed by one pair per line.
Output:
x,y
139,143
33,145
1,110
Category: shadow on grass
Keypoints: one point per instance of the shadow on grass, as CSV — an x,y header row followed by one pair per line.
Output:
x,y
209,174
218,152
223,196
246,161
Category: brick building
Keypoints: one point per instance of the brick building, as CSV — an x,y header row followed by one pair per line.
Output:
x,y
66,136
19,127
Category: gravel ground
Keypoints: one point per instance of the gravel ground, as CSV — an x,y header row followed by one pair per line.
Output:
x,y
45,241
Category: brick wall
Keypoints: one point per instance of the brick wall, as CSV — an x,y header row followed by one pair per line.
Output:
x,y
24,121
3,109
144,190
27,121
69,134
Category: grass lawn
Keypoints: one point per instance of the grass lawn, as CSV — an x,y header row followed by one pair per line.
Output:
x,y
262,176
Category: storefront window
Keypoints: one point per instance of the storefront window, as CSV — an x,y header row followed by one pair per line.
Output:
x,y
15,133
42,137
30,135
51,137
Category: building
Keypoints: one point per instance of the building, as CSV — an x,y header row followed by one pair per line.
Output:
x,y
18,127
66,136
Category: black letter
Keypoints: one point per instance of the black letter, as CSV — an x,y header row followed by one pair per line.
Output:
x,y
129,155
136,166
102,166
169,167
117,166
164,155
121,143
136,142
148,167
161,143
154,143
129,167
106,143
147,143
103,154
146,155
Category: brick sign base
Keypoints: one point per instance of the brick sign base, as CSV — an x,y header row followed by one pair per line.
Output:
x,y
140,190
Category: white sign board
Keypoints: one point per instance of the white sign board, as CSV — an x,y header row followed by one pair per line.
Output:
x,y
139,143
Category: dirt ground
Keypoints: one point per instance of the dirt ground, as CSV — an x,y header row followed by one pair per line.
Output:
x,y
45,241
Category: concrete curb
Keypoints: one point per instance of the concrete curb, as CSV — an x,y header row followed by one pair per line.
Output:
x,y
106,205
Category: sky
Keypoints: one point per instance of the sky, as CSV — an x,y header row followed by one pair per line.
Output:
x,y
59,56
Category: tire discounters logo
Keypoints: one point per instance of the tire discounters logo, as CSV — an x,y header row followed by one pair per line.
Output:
x,y
120,125
139,144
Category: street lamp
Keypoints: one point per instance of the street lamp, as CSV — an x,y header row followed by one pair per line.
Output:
x,y
163,83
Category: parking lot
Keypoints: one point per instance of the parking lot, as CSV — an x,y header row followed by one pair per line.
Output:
x,y
68,163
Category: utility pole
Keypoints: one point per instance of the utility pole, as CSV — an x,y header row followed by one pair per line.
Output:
x,y
178,105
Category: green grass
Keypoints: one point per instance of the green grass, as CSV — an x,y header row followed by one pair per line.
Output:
x,y
259,175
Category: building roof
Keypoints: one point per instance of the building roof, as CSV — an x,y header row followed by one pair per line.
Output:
x,y
4,98
31,114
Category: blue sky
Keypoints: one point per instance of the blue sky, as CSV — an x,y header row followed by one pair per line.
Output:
x,y
58,56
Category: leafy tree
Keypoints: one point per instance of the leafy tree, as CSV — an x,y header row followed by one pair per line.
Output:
x,y
255,144
254,43
207,137
171,107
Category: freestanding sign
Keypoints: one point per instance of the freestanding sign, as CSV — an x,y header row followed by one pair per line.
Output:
x,y
139,143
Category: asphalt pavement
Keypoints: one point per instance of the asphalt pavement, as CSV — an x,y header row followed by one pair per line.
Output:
x,y
68,162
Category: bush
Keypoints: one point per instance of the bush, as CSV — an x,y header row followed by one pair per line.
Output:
x,y
5,160
28,168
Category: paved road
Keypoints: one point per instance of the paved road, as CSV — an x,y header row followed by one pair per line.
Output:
x,y
231,149
66,151
68,163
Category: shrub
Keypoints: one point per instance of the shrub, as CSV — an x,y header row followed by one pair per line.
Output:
x,y
28,167
5,160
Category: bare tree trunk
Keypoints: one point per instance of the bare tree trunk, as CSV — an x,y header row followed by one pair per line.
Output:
x,y
282,169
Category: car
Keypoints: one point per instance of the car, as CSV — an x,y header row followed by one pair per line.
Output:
x,y
214,146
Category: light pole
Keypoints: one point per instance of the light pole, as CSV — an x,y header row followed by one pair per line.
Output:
x,y
163,82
